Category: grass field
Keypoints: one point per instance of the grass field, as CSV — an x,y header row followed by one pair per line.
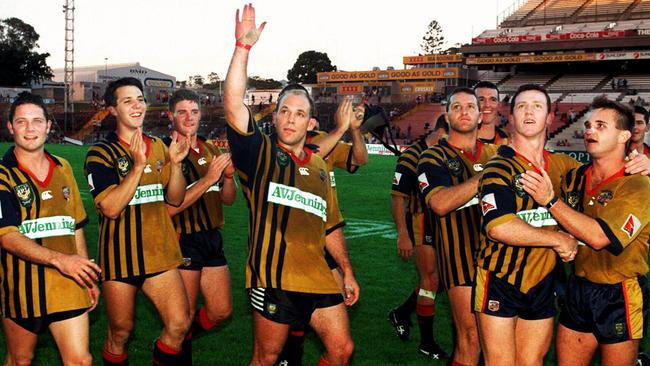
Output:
x,y
384,279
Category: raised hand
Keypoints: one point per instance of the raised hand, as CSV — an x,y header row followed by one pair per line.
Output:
x,y
539,187
179,147
246,32
358,113
637,164
138,150
217,166
344,114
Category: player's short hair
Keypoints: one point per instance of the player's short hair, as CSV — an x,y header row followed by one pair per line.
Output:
x,y
296,89
487,85
462,90
527,87
642,111
181,95
441,122
624,114
28,98
110,96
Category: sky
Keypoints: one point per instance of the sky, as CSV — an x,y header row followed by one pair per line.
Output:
x,y
190,37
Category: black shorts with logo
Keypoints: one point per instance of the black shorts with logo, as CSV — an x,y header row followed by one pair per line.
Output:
x,y
202,249
494,296
288,307
613,313
40,324
137,281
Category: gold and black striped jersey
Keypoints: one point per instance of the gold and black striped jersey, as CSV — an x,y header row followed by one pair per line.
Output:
x,y
443,166
142,239
405,179
503,199
500,137
291,211
340,156
48,212
620,206
207,212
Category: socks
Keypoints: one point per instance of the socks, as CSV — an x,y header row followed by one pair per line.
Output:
x,y
111,359
425,323
163,355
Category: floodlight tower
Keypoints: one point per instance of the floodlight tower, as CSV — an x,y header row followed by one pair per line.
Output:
x,y
68,79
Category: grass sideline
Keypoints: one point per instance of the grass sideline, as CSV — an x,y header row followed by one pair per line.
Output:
x,y
384,279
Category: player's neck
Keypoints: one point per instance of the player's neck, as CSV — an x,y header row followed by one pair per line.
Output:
x,y
606,166
531,149
465,141
126,133
487,131
638,146
35,161
297,150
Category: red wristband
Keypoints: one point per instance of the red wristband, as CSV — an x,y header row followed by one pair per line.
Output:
x,y
244,46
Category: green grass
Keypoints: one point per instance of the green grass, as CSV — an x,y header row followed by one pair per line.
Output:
x,y
384,279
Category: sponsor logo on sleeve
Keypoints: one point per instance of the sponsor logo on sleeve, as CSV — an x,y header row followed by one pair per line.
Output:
x,y
423,182
332,179
488,203
396,178
91,185
631,226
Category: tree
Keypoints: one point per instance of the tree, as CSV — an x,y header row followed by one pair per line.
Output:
x,y
213,78
19,64
256,82
307,65
197,81
433,39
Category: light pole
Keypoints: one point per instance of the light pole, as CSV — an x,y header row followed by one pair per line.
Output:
x,y
105,69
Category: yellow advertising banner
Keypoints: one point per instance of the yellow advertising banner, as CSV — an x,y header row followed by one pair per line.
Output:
x,y
566,57
383,75
417,88
431,59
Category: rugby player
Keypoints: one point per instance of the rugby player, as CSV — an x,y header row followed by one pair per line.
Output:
x,y
336,153
488,99
198,220
640,128
48,280
448,176
416,232
294,218
607,297
131,177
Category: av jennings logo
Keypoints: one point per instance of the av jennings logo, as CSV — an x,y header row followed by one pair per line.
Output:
x,y
148,194
294,197
46,227
538,217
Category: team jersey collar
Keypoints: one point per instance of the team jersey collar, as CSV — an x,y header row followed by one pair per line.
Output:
x,y
10,161
546,155
588,172
468,155
199,144
298,161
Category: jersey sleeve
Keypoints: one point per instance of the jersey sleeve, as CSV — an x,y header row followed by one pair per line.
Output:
x,y
166,172
245,146
101,172
80,216
334,216
342,155
623,218
9,211
432,173
404,179
498,201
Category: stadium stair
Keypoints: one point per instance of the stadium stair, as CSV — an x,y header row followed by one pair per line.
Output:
x,y
579,115
523,20
626,14
553,79
505,79
90,125
573,18
603,83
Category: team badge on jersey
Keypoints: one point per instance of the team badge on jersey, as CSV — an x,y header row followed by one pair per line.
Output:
x,y
423,182
396,178
604,197
455,166
123,165
66,193
488,203
323,175
24,194
573,199
518,186
283,158
631,225
159,165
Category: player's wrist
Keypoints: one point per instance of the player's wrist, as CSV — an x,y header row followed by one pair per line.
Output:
x,y
243,46
551,202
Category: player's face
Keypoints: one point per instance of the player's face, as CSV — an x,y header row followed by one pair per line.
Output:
x,y
601,135
130,108
463,114
186,117
292,120
488,100
639,128
29,127
530,114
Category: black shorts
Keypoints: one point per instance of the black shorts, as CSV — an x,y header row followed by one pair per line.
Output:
x,y
287,307
40,324
136,281
202,249
494,296
612,313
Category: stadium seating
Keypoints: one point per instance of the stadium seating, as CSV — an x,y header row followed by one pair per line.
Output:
x,y
636,81
518,79
574,82
587,97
